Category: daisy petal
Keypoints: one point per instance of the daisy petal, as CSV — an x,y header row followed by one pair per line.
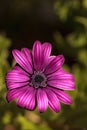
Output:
x,y
53,101
14,93
60,75
11,95
46,51
12,85
42,100
37,55
20,70
62,80
27,54
62,96
17,78
55,64
27,99
22,60
62,84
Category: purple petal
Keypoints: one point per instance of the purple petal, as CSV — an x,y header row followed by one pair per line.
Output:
x,y
27,54
62,84
12,85
56,73
55,64
60,75
62,96
46,51
22,60
27,99
42,100
53,101
37,55
17,78
62,80
20,70
15,93
11,95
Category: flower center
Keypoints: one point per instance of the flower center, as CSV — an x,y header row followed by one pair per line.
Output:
x,y
38,79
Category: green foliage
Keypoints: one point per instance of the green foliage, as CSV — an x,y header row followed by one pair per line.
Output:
x,y
72,42
4,66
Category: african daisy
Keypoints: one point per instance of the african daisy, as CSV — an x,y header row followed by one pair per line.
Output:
x,y
38,79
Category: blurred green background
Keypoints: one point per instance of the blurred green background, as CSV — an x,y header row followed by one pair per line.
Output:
x,y
64,24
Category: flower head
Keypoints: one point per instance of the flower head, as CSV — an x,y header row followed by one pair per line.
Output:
x,y
38,79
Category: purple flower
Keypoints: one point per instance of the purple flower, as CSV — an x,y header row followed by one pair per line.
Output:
x,y
38,79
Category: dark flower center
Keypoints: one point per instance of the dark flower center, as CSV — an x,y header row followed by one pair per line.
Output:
x,y
38,79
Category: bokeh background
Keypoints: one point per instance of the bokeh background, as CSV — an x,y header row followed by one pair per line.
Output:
x,y
63,23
